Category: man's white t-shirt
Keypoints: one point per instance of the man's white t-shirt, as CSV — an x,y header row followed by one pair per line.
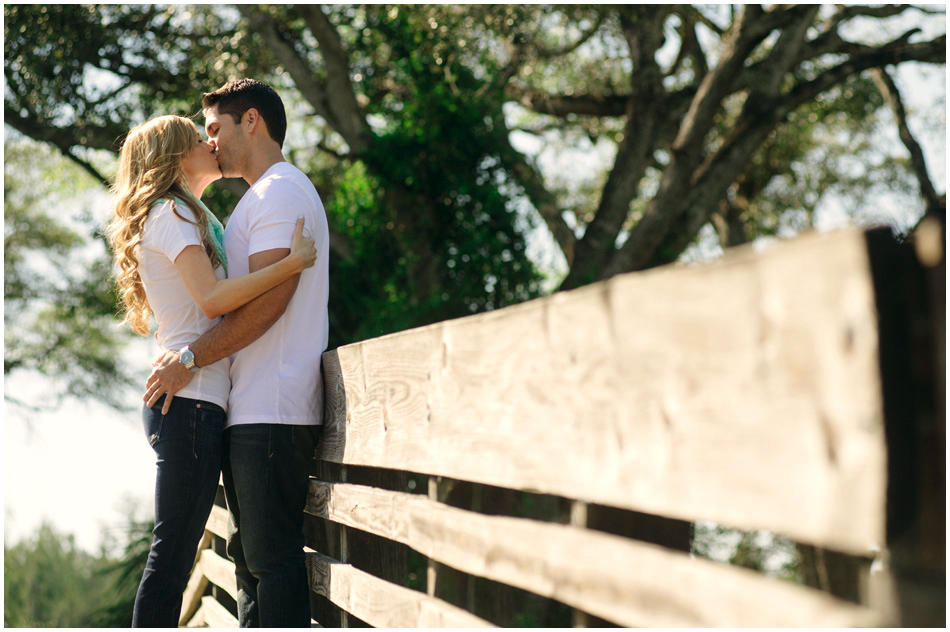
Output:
x,y
276,379
180,320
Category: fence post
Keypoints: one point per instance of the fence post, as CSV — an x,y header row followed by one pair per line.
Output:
x,y
579,618
431,572
911,314
344,551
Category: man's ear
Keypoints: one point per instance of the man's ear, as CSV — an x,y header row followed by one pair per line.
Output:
x,y
250,120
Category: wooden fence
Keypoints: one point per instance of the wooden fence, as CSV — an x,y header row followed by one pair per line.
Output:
x,y
541,465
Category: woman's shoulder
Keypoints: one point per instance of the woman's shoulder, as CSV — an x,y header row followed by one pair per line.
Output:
x,y
159,211
172,207
160,206
168,216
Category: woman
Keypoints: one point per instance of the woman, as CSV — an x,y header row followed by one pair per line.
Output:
x,y
172,264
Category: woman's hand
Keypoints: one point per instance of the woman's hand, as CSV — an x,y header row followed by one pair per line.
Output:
x,y
302,246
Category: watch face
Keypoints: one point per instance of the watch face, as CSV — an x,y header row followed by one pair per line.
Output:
x,y
187,358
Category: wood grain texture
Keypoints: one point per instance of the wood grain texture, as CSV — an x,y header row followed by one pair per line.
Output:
x,y
211,614
219,571
212,568
191,599
624,581
218,522
745,392
380,603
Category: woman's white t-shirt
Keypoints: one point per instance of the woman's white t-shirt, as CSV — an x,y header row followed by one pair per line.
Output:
x,y
180,320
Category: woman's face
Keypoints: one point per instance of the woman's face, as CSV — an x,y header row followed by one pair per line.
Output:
x,y
200,165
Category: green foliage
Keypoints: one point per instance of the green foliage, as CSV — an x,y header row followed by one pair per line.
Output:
x,y
434,233
429,209
58,299
372,306
816,152
94,67
431,205
123,576
49,582
757,550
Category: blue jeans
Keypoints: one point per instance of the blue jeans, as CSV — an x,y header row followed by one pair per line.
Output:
x,y
188,445
266,471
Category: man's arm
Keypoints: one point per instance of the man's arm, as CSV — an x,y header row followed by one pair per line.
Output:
x,y
235,331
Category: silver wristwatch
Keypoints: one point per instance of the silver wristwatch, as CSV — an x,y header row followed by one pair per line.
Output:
x,y
187,358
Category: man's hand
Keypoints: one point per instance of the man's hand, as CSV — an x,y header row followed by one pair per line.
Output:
x,y
168,377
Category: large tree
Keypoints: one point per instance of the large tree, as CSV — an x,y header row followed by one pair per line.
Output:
x,y
404,117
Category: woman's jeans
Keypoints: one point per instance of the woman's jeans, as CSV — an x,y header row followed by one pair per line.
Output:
x,y
188,445
266,470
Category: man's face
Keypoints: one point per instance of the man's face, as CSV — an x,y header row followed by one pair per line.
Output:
x,y
229,142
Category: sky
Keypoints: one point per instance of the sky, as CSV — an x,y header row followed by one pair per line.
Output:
x,y
85,468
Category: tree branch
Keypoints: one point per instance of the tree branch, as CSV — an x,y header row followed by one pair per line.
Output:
x,y
751,25
784,54
87,167
687,214
644,35
560,105
738,42
849,12
828,43
312,90
690,48
547,53
503,77
892,97
543,201
340,97
63,139
695,16
91,136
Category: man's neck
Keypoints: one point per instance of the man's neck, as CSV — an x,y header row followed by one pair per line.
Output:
x,y
263,160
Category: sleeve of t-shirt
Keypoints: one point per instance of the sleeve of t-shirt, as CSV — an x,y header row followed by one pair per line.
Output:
x,y
171,234
273,216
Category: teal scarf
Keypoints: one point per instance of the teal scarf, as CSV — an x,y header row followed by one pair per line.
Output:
x,y
215,233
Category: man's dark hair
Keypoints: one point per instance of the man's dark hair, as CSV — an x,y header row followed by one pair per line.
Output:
x,y
237,97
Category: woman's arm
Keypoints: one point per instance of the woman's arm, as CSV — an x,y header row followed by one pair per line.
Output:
x,y
218,297
239,329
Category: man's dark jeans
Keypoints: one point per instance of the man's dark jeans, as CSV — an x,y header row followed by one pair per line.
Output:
x,y
188,444
266,471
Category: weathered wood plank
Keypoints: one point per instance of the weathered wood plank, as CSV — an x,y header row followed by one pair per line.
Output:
x,y
218,522
191,599
380,603
219,571
745,392
212,614
628,582
196,583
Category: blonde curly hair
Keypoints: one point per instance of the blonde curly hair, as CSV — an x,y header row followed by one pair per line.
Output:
x,y
150,168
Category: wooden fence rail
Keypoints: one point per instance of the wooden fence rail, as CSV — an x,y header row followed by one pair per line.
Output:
x,y
556,452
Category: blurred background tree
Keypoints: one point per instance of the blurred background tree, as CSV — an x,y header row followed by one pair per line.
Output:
x,y
417,124
50,583
47,582
741,118
58,299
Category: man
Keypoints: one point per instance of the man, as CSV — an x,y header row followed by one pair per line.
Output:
x,y
276,401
